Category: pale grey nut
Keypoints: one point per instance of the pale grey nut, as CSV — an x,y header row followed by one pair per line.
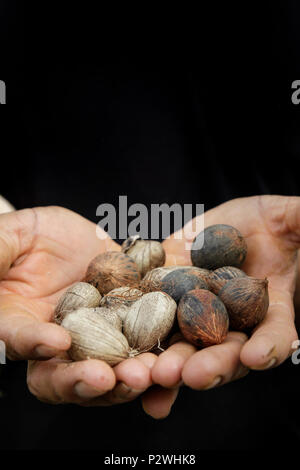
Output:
x,y
147,254
93,337
111,315
80,294
149,321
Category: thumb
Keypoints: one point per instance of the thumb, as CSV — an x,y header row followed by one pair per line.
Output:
x,y
25,335
22,328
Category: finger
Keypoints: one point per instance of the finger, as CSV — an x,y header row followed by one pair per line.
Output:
x,y
133,377
271,342
168,367
214,365
58,381
25,335
157,401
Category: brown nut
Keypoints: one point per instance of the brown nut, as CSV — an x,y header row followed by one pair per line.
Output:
x,y
121,296
121,299
147,254
218,278
223,246
110,270
246,300
78,295
202,318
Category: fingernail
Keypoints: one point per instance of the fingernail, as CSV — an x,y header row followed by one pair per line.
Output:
x,y
84,390
214,383
267,365
123,391
241,372
45,351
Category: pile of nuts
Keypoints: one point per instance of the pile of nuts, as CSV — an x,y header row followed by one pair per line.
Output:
x,y
128,303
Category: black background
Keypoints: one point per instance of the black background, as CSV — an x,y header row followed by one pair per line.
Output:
x,y
178,105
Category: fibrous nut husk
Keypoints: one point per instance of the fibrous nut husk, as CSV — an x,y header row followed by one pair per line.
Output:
x,y
110,270
202,318
158,274
149,320
78,295
246,300
110,315
147,254
179,282
223,246
121,299
220,276
93,337
122,296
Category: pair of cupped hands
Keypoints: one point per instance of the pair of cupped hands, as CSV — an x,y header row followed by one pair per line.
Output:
x,y
46,249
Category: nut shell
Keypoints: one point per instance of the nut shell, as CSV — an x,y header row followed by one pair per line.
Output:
x,y
93,337
121,299
220,276
223,246
158,274
80,294
179,282
124,296
246,300
202,318
147,254
110,270
110,315
149,320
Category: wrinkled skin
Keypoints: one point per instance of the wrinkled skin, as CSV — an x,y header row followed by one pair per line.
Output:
x,y
271,227
44,250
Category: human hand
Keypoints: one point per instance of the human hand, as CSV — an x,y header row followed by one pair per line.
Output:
x,y
42,252
271,227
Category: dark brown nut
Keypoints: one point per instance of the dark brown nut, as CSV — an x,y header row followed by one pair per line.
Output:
x,y
110,270
78,295
223,246
179,282
218,278
147,254
246,300
198,272
152,280
202,318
